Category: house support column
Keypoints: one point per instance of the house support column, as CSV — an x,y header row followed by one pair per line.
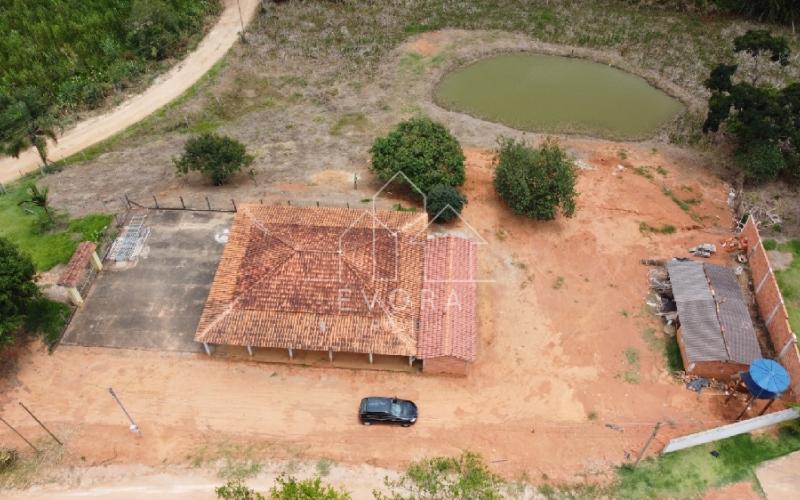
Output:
x,y
291,353
410,360
370,358
330,355
207,348
97,264
74,296
249,350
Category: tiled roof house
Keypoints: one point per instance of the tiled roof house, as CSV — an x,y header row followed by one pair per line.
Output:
x,y
342,280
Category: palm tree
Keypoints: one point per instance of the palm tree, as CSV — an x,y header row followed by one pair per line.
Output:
x,y
26,119
39,198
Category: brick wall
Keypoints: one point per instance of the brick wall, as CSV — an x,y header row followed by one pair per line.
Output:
x,y
770,305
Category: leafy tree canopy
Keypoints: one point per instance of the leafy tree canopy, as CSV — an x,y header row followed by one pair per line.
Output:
x,y
17,289
535,182
764,120
423,150
758,42
26,119
215,156
444,203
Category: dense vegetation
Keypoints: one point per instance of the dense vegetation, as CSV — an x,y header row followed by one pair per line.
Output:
x,y
779,11
285,488
444,203
535,182
216,156
76,52
764,120
421,149
17,289
789,279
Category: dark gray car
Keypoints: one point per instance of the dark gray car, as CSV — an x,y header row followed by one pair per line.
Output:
x,y
389,410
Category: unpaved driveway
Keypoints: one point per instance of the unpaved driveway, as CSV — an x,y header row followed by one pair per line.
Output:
x,y
166,88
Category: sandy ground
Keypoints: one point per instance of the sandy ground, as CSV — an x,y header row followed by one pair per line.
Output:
x,y
166,88
780,478
551,396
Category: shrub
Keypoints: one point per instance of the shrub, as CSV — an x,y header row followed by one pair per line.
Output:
x,y
423,150
761,162
444,203
237,490
17,289
292,489
535,182
215,156
445,478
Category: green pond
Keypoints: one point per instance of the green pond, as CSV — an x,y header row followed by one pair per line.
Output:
x,y
557,94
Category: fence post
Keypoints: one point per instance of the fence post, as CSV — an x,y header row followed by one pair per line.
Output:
x,y
40,423
289,202
155,200
20,435
182,203
127,201
355,181
208,203
317,204
234,205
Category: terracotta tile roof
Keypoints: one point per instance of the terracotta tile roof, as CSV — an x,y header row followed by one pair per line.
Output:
x,y
72,274
318,279
447,305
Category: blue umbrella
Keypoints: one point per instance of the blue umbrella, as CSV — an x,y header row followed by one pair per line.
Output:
x,y
766,379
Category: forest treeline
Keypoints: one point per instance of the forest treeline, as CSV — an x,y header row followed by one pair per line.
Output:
x,y
76,52
776,11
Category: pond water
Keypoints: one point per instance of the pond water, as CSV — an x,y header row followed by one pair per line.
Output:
x,y
543,93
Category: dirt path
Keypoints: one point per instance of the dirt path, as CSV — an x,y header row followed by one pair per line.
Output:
x,y
165,88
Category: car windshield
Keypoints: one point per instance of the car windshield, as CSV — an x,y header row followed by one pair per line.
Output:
x,y
397,409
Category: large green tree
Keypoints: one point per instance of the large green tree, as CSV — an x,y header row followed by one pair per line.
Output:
x,y
26,119
423,150
535,182
214,155
17,289
764,120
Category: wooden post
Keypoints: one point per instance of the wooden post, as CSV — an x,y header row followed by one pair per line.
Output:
x,y
128,201
647,443
370,358
207,348
355,181
291,353
20,435
156,200
410,360
234,204
183,204
746,407
330,355
40,423
75,296
249,350
208,203
766,407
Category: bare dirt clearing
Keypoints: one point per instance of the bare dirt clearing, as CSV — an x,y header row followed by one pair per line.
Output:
x,y
555,392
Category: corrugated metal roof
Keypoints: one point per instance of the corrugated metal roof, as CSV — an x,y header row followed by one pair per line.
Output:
x,y
715,321
734,316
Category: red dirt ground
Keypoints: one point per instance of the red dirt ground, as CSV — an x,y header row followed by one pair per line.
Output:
x,y
547,397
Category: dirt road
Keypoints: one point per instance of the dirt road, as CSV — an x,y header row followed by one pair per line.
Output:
x,y
165,88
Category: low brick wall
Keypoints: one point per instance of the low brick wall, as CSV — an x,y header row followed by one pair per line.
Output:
x,y
770,305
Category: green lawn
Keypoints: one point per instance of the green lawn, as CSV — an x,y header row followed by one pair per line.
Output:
x,y
789,279
48,248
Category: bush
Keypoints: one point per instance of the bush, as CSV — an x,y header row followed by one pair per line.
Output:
x,y
215,156
761,162
292,489
444,203
237,490
535,182
445,478
17,289
423,150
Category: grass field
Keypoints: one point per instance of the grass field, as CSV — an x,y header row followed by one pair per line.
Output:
x,y
46,248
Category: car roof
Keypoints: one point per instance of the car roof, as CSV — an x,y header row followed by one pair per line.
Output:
x,y
379,404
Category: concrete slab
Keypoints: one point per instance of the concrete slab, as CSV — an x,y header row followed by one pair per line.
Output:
x,y
155,302
780,478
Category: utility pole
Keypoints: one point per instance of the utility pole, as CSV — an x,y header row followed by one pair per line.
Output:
x,y
134,428
241,21
40,423
20,435
647,444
